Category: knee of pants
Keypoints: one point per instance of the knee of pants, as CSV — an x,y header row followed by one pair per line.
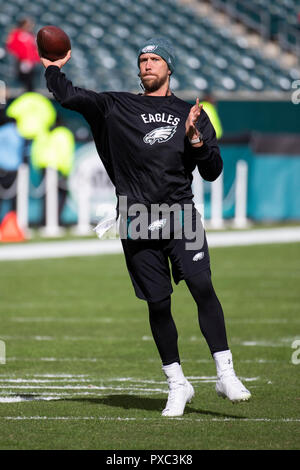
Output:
x,y
161,307
201,286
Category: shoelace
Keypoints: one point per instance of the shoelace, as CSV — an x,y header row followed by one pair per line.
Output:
x,y
174,386
230,374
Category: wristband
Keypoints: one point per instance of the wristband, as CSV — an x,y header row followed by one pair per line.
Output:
x,y
197,140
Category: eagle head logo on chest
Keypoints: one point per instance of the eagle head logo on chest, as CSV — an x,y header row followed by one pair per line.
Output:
x,y
160,135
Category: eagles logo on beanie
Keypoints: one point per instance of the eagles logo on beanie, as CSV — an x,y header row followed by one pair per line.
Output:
x,y
160,46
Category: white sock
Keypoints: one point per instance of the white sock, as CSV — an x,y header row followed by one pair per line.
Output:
x,y
223,360
174,372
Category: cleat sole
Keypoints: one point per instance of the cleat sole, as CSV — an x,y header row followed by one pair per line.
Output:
x,y
238,400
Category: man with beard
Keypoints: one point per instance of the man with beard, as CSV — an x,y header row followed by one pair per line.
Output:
x,y
150,143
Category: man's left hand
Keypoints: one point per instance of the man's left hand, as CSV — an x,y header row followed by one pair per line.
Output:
x,y
190,124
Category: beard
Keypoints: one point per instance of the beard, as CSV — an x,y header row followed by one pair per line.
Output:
x,y
153,84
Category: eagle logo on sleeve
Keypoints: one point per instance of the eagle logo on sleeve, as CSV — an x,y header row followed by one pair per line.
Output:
x,y
160,135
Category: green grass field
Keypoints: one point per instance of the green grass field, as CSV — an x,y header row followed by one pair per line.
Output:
x,y
82,371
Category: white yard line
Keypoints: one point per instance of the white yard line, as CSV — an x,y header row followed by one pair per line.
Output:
x,y
59,249
109,418
99,359
140,382
56,388
82,387
42,391
280,343
254,321
62,249
44,381
254,237
61,320
48,338
54,359
22,399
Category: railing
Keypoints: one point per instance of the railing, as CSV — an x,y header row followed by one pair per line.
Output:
x,y
48,188
239,191
289,38
248,14
262,21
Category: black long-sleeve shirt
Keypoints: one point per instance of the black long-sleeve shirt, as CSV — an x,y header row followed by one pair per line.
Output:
x,y
141,140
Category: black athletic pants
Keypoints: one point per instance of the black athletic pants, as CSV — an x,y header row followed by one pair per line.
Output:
x,y
210,316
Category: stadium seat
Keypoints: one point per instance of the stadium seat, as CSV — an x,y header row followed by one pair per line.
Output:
x,y
105,43
278,17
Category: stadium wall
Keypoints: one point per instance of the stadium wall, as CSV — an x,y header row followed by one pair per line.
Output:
x,y
237,116
264,134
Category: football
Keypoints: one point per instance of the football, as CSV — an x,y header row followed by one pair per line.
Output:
x,y
53,43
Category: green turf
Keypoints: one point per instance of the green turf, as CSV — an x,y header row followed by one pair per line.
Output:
x,y
74,331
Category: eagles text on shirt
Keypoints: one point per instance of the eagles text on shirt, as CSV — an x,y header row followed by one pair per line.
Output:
x,y
160,117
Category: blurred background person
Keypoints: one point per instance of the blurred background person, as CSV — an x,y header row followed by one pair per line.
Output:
x,y
54,148
210,107
22,45
11,156
48,142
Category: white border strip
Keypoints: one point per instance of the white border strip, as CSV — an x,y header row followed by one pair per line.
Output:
x,y
254,237
63,249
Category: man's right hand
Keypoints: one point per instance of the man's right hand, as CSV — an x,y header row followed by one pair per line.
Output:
x,y
59,63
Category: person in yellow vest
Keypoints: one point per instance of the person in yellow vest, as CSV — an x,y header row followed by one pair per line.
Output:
x,y
55,148
33,112
35,116
210,108
11,157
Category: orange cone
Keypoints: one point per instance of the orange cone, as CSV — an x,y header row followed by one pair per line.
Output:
x,y
10,230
